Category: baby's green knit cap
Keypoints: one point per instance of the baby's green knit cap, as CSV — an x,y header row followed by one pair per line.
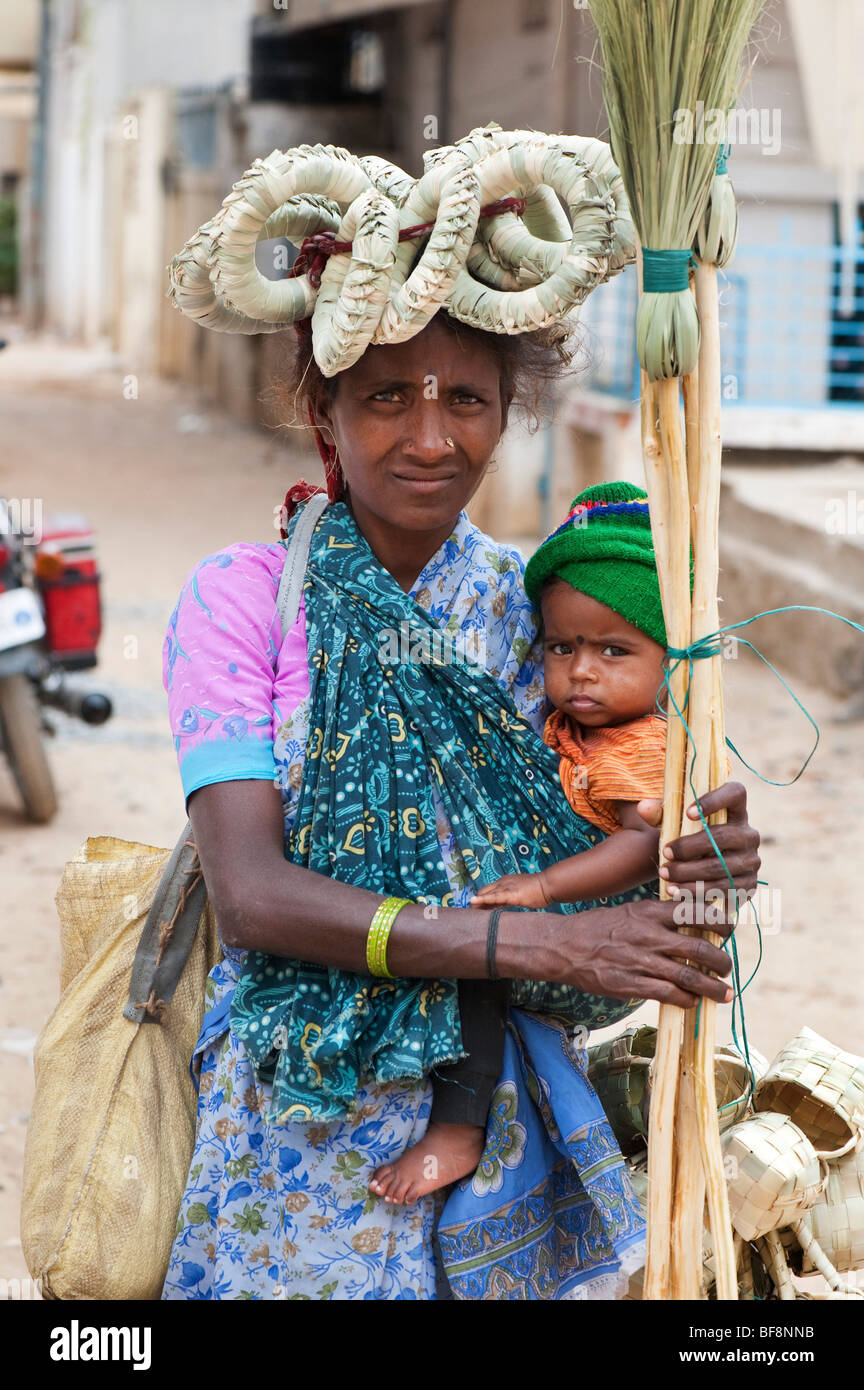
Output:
x,y
604,549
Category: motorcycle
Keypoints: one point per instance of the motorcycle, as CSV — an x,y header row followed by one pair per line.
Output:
x,y
50,623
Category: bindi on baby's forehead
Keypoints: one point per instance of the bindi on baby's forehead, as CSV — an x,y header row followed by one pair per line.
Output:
x,y
571,616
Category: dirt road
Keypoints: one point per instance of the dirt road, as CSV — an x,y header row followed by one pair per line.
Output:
x,y
165,482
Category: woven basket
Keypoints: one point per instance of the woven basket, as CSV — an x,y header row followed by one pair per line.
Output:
x,y
773,1174
735,1083
815,1258
618,1070
821,1088
837,1219
771,1251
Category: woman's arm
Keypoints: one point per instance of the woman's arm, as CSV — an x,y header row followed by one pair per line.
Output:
x,y
263,902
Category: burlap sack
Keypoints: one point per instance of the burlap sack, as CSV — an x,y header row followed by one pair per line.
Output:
x,y
113,1119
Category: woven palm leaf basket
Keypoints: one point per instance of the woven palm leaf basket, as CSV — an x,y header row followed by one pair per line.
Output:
x,y
735,1082
773,1174
821,1088
620,1071
836,1220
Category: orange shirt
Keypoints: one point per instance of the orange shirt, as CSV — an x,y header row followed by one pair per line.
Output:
x,y
623,762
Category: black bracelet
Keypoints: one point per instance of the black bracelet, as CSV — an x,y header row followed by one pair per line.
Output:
x,y
491,942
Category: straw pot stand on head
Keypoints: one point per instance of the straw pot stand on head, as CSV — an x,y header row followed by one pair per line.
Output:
x,y
661,59
486,204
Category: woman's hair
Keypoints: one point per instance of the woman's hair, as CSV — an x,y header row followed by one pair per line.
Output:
x,y
530,366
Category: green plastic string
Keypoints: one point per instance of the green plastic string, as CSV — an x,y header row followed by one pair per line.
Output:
x,y
723,158
666,271
705,647
738,1005
711,645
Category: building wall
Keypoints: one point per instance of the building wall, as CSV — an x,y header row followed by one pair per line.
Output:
x,y
19,32
787,204
196,43
108,59
550,78
19,39
500,71
418,80
110,217
520,78
17,106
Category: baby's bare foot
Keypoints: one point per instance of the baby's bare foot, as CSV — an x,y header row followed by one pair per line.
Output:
x,y
444,1154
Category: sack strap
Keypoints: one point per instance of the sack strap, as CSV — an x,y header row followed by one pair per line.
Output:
x,y
296,556
176,909
168,933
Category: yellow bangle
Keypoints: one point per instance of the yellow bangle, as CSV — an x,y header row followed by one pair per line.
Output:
x,y
379,932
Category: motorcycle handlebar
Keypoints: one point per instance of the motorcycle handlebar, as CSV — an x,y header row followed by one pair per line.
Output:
x,y
87,705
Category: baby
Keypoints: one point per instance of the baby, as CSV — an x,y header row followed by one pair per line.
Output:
x,y
604,645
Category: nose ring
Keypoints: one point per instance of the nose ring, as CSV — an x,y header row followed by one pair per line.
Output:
x,y
449,442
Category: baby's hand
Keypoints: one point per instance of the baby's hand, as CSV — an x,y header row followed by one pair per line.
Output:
x,y
513,890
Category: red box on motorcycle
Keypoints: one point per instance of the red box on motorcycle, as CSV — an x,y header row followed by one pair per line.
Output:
x,y
67,577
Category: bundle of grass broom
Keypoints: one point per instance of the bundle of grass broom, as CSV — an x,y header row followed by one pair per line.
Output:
x,y
662,58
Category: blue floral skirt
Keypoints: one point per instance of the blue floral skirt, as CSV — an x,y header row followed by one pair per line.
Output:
x,y
285,1212
282,1212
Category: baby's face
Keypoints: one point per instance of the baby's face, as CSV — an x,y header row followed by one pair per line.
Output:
x,y
599,669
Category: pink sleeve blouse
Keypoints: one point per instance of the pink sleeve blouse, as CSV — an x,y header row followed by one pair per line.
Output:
x,y
231,678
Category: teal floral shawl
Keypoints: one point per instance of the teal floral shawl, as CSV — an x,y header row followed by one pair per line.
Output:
x,y
391,708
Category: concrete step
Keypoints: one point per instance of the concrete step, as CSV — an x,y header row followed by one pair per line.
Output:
x,y
840,557
755,576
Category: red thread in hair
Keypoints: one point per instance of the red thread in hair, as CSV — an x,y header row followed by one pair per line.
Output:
x,y
302,491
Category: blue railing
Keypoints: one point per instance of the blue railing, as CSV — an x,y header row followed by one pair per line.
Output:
x,y
792,329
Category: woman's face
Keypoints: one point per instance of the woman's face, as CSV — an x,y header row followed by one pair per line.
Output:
x,y
392,416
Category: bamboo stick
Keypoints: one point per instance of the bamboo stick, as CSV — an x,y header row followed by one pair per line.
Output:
x,y
689,1191
690,1184
661,1153
659,59
690,391
688,1198
706,722
656,485
671,530
661,1150
683,489
677,544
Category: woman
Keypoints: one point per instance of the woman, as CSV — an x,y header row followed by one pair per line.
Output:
x,y
284,1210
